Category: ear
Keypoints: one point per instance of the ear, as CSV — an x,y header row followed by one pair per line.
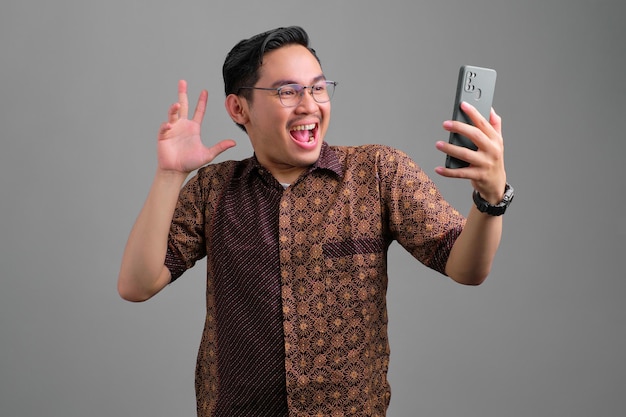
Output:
x,y
237,108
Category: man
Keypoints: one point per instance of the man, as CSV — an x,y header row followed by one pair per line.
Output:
x,y
296,237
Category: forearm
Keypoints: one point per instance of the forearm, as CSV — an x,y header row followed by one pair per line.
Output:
x,y
473,252
142,273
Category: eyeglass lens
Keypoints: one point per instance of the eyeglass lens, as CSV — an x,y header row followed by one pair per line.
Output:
x,y
291,95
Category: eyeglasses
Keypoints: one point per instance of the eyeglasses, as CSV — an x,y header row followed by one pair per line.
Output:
x,y
290,95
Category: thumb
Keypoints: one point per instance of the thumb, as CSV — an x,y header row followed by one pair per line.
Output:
x,y
211,153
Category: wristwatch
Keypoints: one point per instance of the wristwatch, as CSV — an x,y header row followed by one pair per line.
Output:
x,y
494,210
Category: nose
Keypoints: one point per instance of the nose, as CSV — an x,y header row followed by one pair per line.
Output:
x,y
307,101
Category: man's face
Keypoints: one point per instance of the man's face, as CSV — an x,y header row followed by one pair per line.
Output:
x,y
276,131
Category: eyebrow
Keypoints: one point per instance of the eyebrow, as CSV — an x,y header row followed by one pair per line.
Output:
x,y
279,83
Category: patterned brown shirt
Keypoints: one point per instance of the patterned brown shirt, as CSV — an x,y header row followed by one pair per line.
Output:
x,y
296,318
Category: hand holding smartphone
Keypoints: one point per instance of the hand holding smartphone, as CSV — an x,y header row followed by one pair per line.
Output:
x,y
476,86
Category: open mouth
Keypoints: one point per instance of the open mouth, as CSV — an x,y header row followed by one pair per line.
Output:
x,y
304,133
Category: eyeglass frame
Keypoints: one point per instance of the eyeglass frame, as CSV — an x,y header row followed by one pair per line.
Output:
x,y
301,92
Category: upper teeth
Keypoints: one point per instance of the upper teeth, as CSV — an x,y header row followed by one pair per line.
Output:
x,y
304,127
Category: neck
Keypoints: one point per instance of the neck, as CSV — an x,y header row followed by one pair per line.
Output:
x,y
286,176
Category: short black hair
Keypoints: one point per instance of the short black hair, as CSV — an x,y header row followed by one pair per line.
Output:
x,y
241,66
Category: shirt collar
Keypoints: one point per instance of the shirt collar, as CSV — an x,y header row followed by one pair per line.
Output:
x,y
328,160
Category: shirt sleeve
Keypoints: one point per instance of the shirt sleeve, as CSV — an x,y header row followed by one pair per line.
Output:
x,y
186,241
420,219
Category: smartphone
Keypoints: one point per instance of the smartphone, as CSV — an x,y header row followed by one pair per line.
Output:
x,y
476,86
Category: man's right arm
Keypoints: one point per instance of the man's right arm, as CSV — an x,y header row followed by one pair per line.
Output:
x,y
179,152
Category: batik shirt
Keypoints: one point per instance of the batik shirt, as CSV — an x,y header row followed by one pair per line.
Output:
x,y
296,316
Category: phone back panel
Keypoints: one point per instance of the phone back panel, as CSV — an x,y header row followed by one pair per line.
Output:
x,y
476,86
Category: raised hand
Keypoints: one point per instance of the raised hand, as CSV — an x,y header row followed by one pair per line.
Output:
x,y
179,145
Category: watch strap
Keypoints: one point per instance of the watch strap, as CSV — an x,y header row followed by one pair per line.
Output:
x,y
494,210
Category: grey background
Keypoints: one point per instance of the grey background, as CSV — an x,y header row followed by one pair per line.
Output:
x,y
84,86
